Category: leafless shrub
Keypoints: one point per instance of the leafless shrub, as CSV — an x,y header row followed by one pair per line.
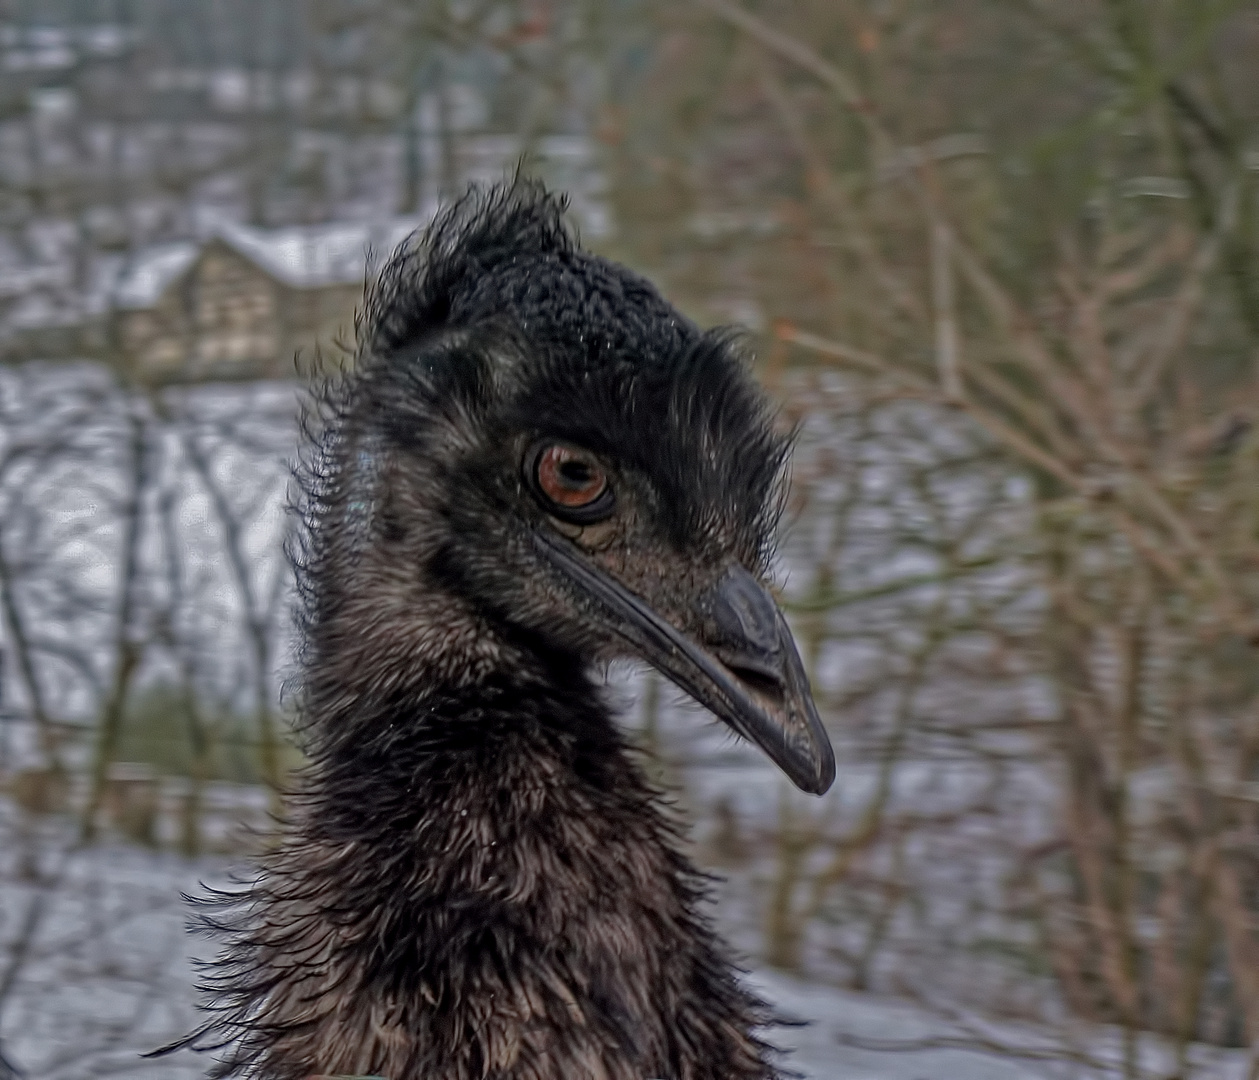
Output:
x,y
1024,559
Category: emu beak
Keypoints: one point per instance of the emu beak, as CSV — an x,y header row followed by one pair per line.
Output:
x,y
747,670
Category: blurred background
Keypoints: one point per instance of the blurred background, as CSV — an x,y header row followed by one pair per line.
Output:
x,y
999,262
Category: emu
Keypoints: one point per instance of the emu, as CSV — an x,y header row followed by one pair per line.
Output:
x,y
535,465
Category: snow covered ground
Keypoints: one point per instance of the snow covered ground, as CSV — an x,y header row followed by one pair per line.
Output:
x,y
108,974
834,1019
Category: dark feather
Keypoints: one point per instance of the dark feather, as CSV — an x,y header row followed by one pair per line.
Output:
x,y
476,880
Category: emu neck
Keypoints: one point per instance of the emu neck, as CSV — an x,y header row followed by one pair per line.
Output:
x,y
481,886
496,779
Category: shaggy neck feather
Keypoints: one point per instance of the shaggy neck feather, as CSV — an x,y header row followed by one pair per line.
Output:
x,y
482,886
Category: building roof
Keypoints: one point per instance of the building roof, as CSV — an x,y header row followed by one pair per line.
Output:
x,y
303,257
147,276
311,257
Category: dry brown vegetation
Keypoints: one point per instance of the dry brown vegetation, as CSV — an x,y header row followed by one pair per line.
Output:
x,y
1004,265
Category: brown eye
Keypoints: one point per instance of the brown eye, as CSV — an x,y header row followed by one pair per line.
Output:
x,y
571,483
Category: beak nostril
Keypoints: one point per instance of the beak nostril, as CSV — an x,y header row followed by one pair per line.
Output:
x,y
759,681
743,612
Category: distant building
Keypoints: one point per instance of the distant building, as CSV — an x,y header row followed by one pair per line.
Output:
x,y
242,302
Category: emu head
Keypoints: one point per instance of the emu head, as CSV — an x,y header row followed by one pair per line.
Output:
x,y
537,461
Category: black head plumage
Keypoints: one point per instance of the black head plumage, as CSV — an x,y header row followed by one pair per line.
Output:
x,y
608,362
534,464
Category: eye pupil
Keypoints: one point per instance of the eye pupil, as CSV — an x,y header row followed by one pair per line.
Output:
x,y
576,472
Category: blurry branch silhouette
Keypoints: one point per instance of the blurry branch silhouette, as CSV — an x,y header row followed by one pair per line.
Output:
x,y
85,919
127,151
128,644
40,427
1003,260
170,637
143,586
1027,568
259,613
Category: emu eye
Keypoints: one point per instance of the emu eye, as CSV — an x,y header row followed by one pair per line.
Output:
x,y
570,483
